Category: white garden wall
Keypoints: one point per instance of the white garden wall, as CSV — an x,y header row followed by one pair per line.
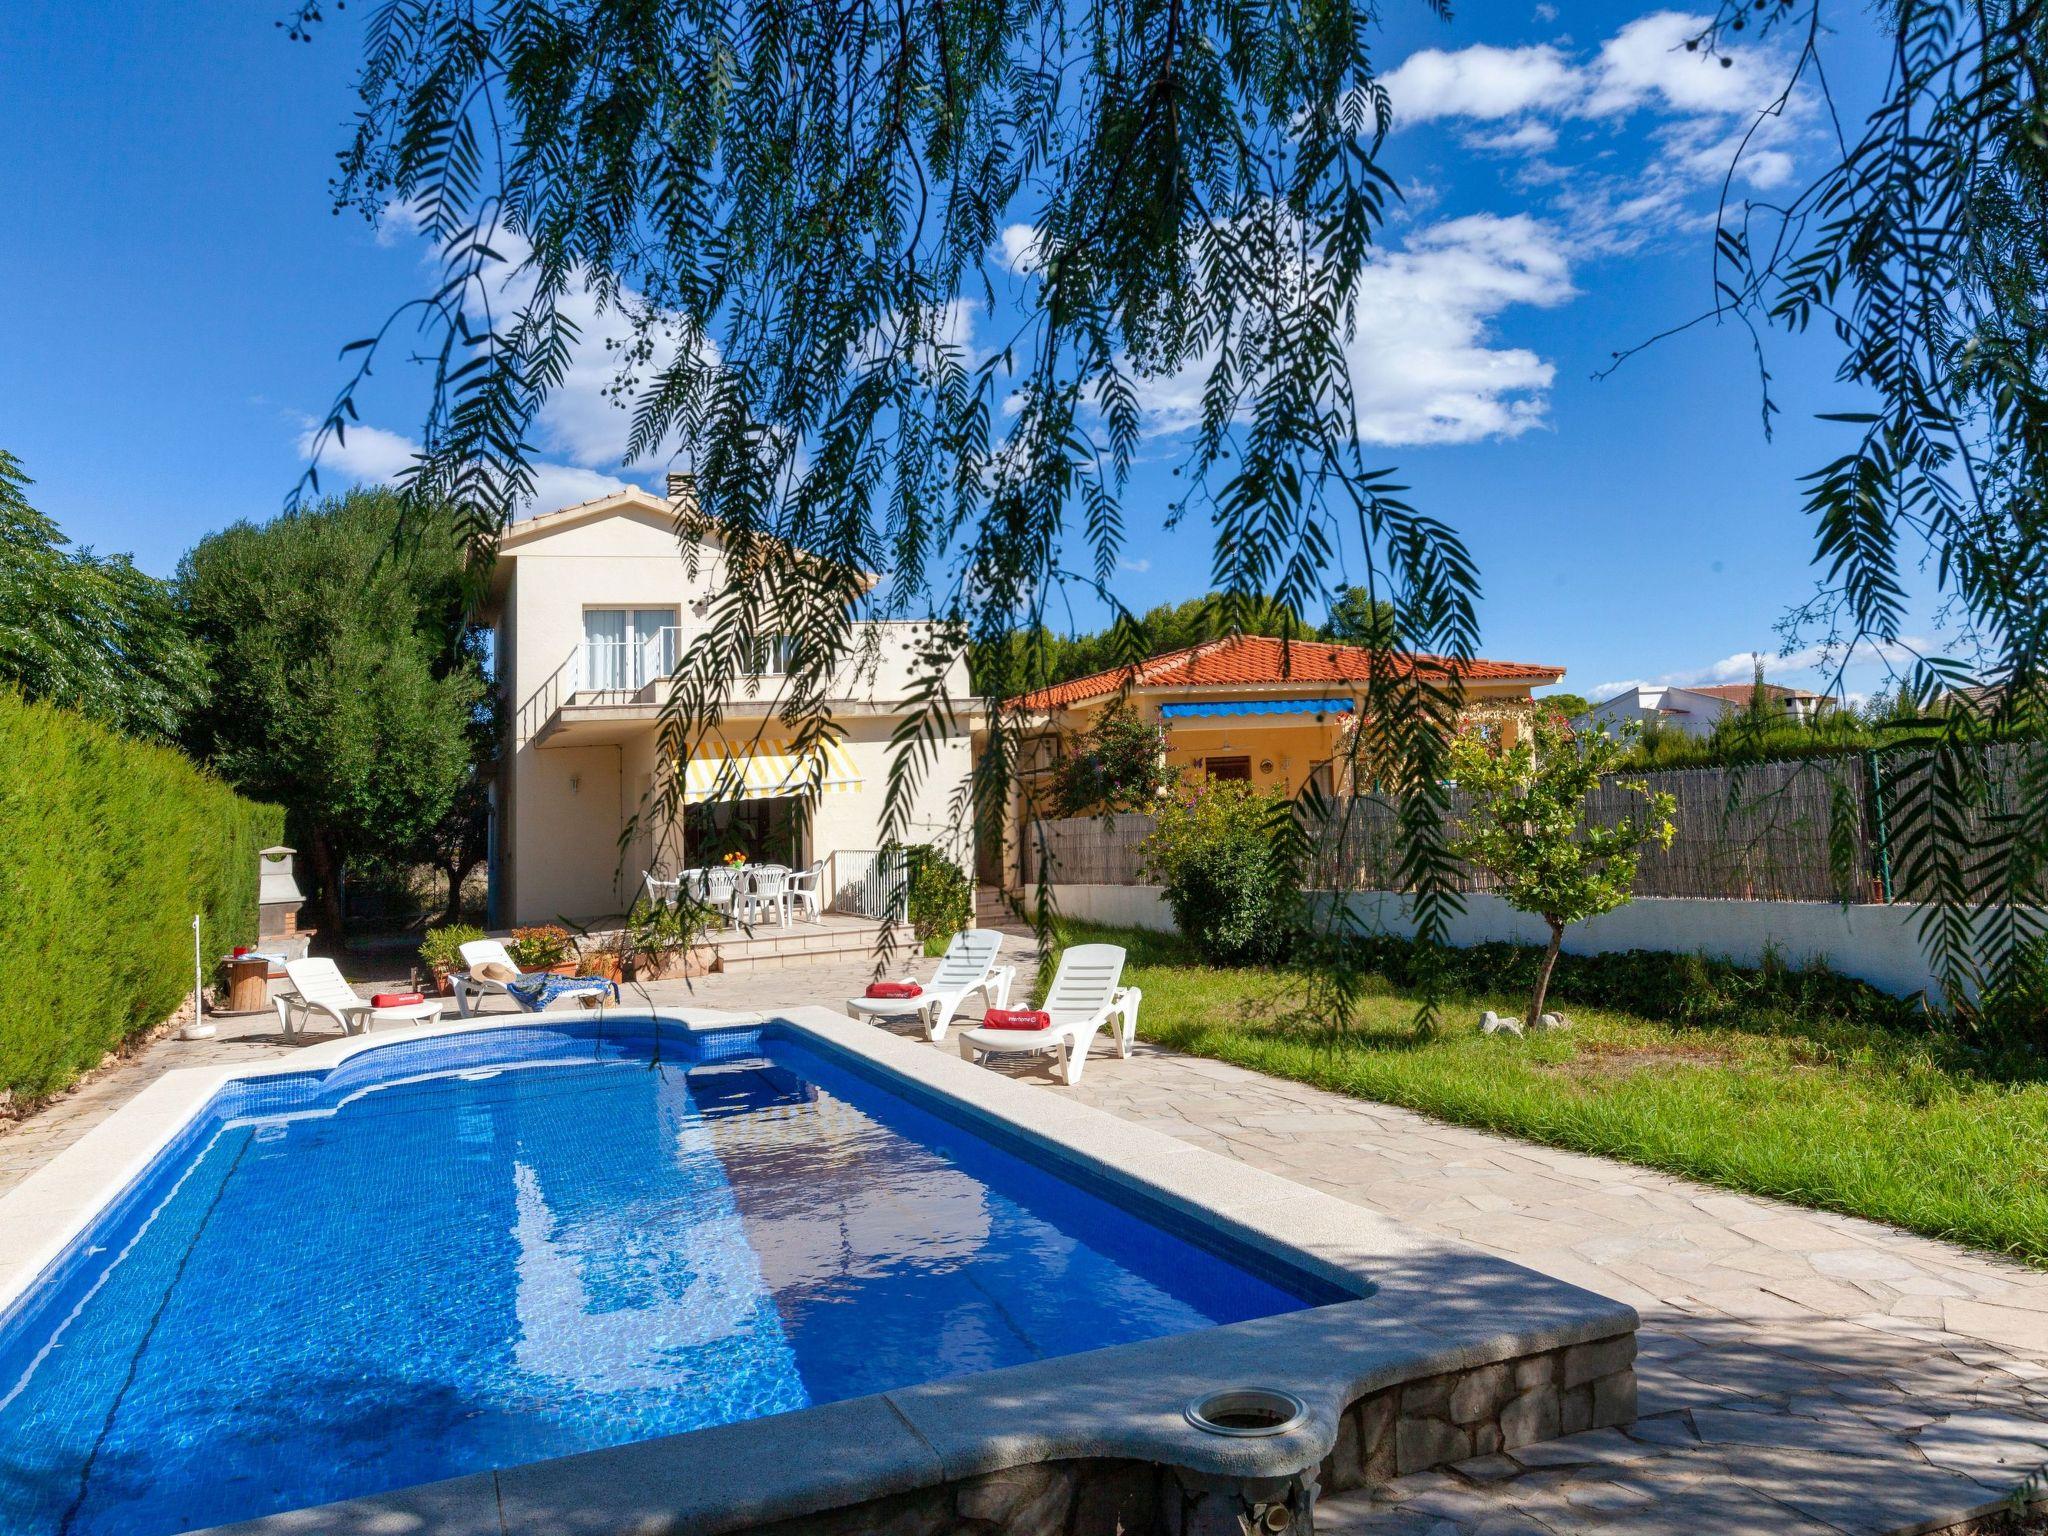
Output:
x,y
1878,944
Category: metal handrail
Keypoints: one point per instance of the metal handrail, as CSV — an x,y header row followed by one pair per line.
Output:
x,y
869,882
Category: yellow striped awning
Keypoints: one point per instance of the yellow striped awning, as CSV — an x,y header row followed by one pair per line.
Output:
x,y
764,768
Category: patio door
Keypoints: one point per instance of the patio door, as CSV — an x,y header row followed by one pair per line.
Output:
x,y
769,831
627,648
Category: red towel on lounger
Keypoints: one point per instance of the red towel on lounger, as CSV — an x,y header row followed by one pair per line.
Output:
x,y
1017,1018
396,999
894,989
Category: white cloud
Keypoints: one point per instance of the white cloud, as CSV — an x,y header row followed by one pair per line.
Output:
x,y
1602,692
399,221
1816,665
1425,364
363,455
1646,64
1629,191
1482,82
563,485
585,419
1020,249
1524,138
952,332
374,456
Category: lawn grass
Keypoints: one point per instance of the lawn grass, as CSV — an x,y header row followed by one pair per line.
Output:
x,y
1912,1129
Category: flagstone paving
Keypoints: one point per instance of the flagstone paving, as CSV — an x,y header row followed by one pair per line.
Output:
x,y
1801,1373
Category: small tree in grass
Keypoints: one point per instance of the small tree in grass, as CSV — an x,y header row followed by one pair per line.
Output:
x,y
1527,827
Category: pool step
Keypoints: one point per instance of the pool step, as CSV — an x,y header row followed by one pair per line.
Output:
x,y
770,948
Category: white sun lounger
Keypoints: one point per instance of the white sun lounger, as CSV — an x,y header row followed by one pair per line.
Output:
x,y
968,966
318,987
468,985
471,987
1084,997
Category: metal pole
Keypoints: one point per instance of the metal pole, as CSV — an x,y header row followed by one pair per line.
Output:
x,y
1879,825
198,1029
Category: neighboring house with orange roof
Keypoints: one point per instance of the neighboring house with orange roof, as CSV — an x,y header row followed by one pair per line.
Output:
x,y
1696,708
1267,711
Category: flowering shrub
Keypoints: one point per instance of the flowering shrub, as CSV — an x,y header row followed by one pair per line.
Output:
x,y
1216,851
536,949
1119,764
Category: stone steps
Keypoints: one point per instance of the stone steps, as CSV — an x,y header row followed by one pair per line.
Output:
x,y
770,949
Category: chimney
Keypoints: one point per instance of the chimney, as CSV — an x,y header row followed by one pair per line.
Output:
x,y
682,485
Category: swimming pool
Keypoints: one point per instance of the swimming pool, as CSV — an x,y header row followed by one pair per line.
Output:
x,y
493,1248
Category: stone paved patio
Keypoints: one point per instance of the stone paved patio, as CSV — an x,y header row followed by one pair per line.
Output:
x,y
1801,1373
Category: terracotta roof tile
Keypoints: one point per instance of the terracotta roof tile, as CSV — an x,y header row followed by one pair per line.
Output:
x,y
1264,661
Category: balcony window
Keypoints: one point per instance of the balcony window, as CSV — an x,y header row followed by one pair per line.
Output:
x,y
771,658
625,649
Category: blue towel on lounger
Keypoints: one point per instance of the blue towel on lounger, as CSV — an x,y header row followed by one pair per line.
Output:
x,y
534,993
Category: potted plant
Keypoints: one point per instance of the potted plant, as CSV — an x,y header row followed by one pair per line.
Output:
x,y
441,952
664,939
604,955
547,947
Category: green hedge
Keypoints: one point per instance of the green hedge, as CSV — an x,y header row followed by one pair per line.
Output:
x,y
107,847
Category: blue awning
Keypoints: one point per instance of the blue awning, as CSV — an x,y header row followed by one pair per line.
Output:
x,y
1255,707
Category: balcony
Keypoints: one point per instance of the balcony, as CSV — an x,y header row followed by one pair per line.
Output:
x,y
608,690
636,671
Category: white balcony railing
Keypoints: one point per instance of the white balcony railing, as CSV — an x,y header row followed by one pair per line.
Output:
x,y
625,665
629,665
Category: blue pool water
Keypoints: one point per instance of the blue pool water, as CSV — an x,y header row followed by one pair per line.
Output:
x,y
447,1256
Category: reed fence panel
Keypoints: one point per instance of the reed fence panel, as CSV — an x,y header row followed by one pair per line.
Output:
x,y
1818,829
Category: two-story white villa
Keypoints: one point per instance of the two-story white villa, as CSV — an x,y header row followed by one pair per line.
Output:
x,y
592,607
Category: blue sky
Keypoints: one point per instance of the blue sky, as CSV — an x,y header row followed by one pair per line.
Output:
x,y
174,292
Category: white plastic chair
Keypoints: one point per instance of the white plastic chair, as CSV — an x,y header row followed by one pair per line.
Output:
x,y
662,893
968,966
319,987
761,892
717,887
805,889
1084,997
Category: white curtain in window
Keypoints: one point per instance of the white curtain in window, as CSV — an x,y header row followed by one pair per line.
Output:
x,y
654,639
604,648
